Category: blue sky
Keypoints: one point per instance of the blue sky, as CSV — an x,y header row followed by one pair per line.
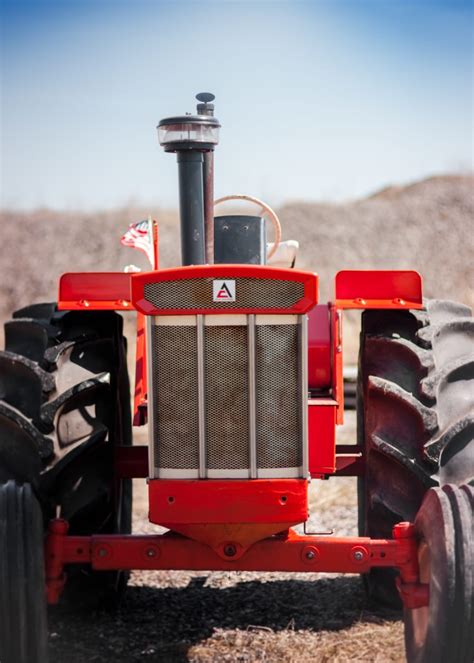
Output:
x,y
317,100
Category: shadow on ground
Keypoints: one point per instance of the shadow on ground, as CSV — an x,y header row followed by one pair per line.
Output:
x,y
161,624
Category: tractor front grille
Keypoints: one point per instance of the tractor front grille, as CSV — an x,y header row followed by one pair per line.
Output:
x,y
228,396
196,294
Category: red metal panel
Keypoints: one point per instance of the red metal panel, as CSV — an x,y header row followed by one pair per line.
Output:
x,y
397,289
103,291
140,395
319,348
322,436
337,362
232,501
309,279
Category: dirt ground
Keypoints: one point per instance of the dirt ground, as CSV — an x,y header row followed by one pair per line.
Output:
x,y
212,617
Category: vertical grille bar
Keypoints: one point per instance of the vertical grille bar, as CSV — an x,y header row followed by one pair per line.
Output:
x,y
252,397
201,398
152,470
303,350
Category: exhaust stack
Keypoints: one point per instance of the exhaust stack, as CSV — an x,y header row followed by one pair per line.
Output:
x,y
193,138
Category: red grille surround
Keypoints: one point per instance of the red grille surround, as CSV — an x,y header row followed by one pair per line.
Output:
x,y
307,281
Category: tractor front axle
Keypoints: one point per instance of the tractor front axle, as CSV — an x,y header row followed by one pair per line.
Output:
x,y
288,551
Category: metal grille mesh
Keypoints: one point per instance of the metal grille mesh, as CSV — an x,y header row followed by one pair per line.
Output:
x,y
226,362
175,397
195,294
278,396
175,407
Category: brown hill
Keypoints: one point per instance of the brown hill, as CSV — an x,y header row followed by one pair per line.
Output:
x,y
427,226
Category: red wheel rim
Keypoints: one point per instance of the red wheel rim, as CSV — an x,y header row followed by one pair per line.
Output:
x,y
420,616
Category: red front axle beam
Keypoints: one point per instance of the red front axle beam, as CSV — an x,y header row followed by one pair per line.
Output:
x,y
285,552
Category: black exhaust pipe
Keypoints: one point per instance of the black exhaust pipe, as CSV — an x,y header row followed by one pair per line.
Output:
x,y
191,207
193,138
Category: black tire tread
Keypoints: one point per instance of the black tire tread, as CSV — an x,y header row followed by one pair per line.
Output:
x,y
61,413
463,627
412,367
23,627
42,390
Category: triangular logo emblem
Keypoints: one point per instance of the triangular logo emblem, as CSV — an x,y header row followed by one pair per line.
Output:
x,y
223,291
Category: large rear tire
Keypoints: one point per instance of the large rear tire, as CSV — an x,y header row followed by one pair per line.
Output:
x,y
23,626
415,416
64,407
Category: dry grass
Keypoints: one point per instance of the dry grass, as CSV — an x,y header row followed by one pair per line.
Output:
x,y
291,646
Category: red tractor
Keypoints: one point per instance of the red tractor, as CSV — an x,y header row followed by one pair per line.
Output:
x,y
239,376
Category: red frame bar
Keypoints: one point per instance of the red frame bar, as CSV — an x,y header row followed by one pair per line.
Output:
x,y
382,289
286,552
95,291
350,460
309,279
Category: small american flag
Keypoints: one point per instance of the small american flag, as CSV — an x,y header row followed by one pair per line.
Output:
x,y
140,236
